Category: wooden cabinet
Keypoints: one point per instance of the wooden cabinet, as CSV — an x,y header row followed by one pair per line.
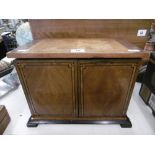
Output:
x,y
64,86
74,89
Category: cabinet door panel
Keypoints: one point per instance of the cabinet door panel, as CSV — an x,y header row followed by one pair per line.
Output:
x,y
105,87
50,87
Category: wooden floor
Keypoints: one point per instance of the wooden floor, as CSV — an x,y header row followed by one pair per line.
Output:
x,y
140,115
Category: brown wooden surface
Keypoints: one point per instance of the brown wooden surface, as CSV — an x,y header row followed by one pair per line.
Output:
x,y
145,93
105,86
94,48
94,85
74,89
50,86
90,28
2,112
4,119
65,45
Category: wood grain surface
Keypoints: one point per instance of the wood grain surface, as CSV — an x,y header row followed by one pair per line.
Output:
x,y
95,84
105,86
4,119
93,48
90,28
78,88
50,85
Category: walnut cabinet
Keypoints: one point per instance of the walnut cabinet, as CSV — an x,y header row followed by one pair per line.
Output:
x,y
78,89
78,80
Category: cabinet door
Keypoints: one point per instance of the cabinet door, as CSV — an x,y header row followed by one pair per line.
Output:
x,y
105,87
49,86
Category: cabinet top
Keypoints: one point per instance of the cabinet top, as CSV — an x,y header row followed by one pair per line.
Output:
x,y
78,48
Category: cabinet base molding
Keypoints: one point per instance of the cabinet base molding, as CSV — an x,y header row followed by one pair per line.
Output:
x,y
34,121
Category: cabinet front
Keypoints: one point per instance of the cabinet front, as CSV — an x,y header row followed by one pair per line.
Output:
x,y
104,87
49,86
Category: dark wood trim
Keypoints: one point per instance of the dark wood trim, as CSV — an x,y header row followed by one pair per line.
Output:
x,y
6,71
124,123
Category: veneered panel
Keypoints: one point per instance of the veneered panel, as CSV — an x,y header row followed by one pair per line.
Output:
x,y
91,28
50,86
104,88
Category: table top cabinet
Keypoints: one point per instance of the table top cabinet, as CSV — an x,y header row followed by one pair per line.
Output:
x,y
78,80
